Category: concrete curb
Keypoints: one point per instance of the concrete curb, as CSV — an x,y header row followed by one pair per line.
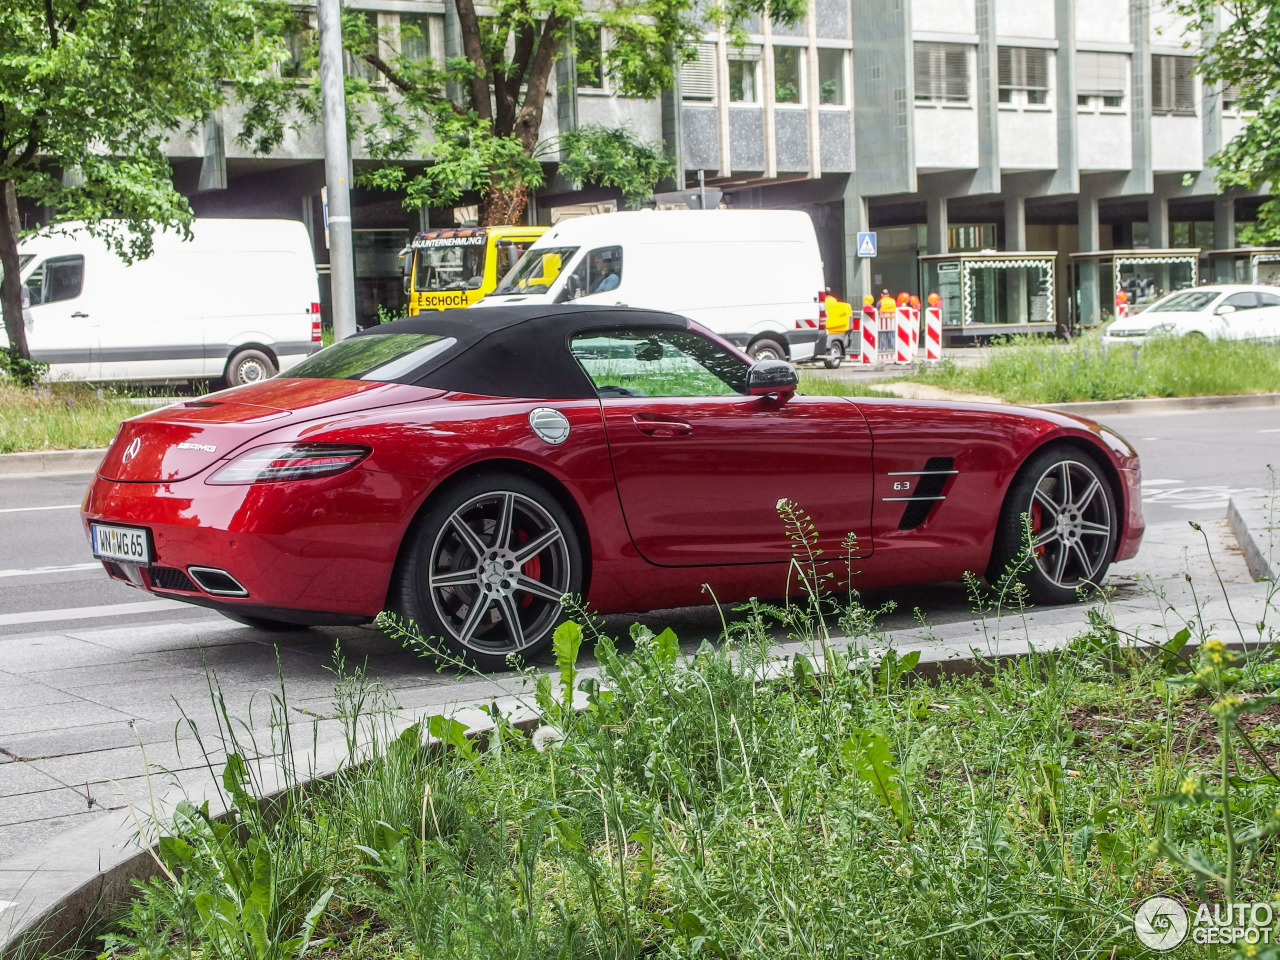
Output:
x,y
1095,408
50,461
1255,520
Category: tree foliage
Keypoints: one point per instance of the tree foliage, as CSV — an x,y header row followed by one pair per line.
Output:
x,y
479,116
1241,49
90,90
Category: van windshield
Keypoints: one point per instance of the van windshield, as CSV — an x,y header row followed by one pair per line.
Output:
x,y
536,271
449,267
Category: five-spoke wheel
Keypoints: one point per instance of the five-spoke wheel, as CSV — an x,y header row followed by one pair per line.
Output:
x,y
1063,501
490,564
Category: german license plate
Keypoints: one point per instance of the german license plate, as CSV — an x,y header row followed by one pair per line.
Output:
x,y
120,543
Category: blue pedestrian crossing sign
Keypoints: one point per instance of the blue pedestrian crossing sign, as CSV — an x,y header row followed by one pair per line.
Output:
x,y
866,244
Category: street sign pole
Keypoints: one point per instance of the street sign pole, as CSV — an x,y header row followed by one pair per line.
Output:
x,y
337,169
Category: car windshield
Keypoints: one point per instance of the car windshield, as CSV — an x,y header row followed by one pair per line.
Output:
x,y
1186,301
536,271
381,357
450,267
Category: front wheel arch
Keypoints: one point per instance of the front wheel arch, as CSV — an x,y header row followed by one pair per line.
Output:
x,y
1065,444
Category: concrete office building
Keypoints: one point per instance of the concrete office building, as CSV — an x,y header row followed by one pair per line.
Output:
x,y
1045,132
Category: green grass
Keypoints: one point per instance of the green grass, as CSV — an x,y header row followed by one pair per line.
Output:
x,y
61,416
843,809
1037,371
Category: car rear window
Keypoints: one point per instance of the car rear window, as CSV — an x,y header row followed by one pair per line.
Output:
x,y
385,358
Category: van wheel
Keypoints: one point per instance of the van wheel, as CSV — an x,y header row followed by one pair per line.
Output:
x,y
834,357
767,349
249,366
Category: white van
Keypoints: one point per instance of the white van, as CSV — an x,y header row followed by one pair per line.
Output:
x,y
752,276
238,302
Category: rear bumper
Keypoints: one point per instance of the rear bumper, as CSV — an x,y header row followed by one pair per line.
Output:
x,y
311,551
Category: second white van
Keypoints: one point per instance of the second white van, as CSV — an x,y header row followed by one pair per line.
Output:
x,y
238,302
753,276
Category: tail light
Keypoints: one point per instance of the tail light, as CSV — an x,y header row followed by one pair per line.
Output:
x,y
822,309
289,461
316,334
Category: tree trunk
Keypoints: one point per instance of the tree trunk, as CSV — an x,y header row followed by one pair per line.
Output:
x,y
11,288
504,206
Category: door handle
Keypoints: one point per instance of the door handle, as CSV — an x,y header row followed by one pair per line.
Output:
x,y
80,314
658,426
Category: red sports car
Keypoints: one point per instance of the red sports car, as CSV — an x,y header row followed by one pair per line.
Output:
x,y
470,469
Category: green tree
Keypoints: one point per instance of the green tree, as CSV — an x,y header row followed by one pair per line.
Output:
x,y
1241,49
478,116
89,92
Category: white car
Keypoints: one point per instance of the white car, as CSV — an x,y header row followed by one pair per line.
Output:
x,y
1221,312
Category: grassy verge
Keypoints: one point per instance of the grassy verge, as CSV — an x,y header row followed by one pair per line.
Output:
x,y
61,416
1036,371
843,809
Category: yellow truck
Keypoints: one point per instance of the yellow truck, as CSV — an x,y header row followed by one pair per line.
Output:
x,y
452,267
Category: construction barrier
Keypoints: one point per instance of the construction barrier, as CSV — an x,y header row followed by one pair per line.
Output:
x,y
903,352
933,329
869,328
915,325
1122,305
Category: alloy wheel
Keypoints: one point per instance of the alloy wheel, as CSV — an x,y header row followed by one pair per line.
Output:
x,y
499,567
1071,524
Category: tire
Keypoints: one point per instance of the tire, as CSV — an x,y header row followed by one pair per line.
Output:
x,y
263,623
835,356
767,349
1073,540
249,366
466,581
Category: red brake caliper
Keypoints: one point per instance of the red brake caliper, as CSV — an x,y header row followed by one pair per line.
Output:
x,y
1037,518
531,569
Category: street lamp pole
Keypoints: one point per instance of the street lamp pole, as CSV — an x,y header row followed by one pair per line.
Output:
x,y
337,169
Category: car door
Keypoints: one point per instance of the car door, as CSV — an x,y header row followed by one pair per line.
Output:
x,y
701,467
1242,320
63,331
1269,315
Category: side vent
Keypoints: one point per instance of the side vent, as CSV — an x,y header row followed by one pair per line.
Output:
x,y
928,492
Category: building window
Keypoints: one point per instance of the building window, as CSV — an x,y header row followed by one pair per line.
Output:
x,y
1023,75
1101,80
1173,90
589,52
357,66
744,76
299,43
942,72
415,37
788,74
698,76
831,78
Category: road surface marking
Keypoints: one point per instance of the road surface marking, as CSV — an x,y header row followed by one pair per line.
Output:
x,y
1276,430
61,506
6,904
90,613
36,571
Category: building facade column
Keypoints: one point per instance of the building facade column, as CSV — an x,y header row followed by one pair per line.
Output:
x,y
1158,236
1015,239
1224,235
937,220
1089,295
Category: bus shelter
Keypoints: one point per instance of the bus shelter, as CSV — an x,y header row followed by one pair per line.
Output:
x,y
1143,276
992,293
1245,265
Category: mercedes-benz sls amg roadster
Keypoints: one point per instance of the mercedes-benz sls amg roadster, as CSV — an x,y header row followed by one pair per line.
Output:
x,y
468,470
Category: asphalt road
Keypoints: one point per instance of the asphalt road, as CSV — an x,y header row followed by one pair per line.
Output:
x,y
1192,462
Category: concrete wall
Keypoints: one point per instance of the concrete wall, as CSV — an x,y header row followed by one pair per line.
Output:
x,y
1018,18
1104,141
1175,144
946,137
642,117
1105,21
1028,139
944,16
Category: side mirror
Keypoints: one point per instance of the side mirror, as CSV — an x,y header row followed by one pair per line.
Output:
x,y
772,376
1224,308
407,268
572,289
475,283
649,351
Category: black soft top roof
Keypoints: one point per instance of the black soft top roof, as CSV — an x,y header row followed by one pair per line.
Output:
x,y
519,350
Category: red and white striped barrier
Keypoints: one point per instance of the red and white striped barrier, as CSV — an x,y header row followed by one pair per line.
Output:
x,y
869,329
933,332
904,353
